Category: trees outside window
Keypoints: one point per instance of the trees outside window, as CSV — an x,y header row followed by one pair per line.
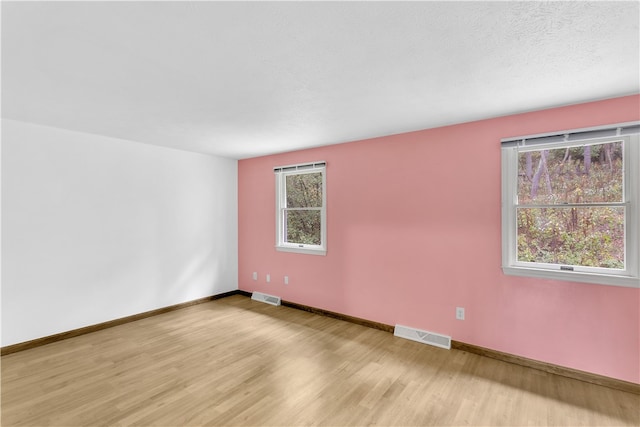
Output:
x,y
590,232
303,210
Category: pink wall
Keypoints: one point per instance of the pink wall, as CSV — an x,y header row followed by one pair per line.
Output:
x,y
412,235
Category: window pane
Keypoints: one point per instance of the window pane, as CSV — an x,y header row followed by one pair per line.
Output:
x,y
302,227
304,190
588,237
585,174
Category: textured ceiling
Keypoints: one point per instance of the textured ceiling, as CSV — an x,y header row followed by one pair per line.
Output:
x,y
242,79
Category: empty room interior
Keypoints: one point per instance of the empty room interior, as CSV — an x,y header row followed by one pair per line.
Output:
x,y
320,213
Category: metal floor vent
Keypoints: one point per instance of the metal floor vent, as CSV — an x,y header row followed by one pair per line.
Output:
x,y
269,299
424,337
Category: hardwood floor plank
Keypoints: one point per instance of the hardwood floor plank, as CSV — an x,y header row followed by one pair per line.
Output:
x,y
238,362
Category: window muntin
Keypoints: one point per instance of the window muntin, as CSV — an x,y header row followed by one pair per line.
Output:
x,y
570,210
300,205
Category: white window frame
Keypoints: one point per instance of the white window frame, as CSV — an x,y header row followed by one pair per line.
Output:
x,y
627,277
281,173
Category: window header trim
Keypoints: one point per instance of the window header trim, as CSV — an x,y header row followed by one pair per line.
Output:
x,y
301,167
620,129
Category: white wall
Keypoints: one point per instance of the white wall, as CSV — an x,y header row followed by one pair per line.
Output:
x,y
96,228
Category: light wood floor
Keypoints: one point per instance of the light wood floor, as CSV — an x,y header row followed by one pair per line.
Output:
x,y
238,362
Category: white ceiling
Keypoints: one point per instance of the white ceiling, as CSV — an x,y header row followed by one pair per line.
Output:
x,y
243,79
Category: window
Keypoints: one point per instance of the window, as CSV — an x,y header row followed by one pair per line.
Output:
x,y
301,208
570,205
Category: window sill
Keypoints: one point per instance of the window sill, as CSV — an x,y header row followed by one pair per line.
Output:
x,y
299,250
573,276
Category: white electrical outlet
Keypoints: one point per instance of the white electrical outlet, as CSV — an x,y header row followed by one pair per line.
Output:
x,y
255,276
286,280
460,313
268,278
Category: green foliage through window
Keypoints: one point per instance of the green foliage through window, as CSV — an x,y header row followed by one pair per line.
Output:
x,y
302,216
549,232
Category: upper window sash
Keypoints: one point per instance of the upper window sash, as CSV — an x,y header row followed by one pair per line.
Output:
x,y
625,140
